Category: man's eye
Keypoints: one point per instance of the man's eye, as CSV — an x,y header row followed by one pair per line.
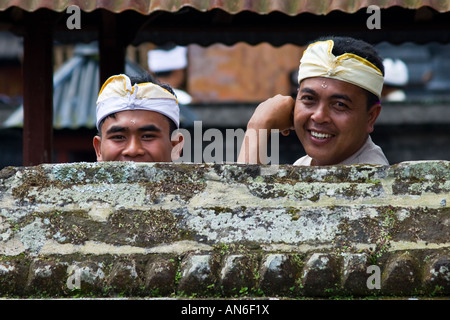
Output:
x,y
117,137
341,106
307,98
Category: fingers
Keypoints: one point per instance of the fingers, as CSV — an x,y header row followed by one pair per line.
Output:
x,y
274,113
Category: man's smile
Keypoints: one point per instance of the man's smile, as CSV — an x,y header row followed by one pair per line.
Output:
x,y
320,135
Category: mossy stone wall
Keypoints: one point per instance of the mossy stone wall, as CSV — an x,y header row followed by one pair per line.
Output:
x,y
224,230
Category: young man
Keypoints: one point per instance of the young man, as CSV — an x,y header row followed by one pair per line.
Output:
x,y
135,123
340,82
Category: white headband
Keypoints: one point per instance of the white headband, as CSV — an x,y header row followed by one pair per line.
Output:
x,y
117,94
319,61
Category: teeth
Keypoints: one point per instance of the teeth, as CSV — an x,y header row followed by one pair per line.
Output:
x,y
320,135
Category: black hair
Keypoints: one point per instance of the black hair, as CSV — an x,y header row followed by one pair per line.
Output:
x,y
147,77
362,49
144,78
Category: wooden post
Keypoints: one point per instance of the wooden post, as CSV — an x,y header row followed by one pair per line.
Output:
x,y
112,47
38,89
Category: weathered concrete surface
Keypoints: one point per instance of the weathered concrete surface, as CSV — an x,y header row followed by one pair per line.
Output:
x,y
127,229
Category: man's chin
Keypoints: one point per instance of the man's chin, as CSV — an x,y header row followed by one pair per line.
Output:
x,y
138,160
319,159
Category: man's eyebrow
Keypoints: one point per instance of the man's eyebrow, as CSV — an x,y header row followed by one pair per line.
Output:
x,y
150,127
308,90
115,129
341,96
335,96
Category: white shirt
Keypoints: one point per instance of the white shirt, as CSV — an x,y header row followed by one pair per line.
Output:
x,y
369,153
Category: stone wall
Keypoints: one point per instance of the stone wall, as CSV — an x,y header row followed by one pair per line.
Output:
x,y
205,230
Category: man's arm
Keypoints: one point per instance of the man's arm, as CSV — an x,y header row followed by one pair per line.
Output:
x,y
274,113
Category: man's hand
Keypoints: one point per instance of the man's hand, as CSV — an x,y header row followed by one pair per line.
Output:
x,y
273,114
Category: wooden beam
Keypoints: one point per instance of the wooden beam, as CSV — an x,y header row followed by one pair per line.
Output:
x,y
38,89
112,48
116,32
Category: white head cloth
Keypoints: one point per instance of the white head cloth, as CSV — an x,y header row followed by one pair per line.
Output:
x,y
395,72
319,61
117,94
160,60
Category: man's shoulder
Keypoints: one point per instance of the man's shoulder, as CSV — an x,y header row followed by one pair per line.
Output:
x,y
303,161
370,153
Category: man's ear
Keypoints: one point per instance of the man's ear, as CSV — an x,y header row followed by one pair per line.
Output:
x,y
373,114
97,142
177,140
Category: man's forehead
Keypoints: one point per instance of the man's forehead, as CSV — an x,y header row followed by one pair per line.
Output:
x,y
142,115
327,86
137,118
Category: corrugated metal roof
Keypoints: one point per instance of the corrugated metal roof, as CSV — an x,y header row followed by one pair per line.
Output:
x,y
75,91
289,7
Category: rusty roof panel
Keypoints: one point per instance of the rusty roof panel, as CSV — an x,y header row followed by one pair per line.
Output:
x,y
289,7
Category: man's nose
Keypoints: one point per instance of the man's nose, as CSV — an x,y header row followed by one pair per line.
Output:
x,y
321,114
133,148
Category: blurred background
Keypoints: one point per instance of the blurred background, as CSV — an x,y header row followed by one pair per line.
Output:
x,y
221,82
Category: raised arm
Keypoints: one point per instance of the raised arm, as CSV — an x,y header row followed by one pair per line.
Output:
x,y
272,114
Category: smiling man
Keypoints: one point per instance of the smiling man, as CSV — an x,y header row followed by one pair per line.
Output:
x,y
340,82
137,123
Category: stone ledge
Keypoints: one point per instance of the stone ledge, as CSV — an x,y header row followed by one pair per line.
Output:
x,y
224,230
215,274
